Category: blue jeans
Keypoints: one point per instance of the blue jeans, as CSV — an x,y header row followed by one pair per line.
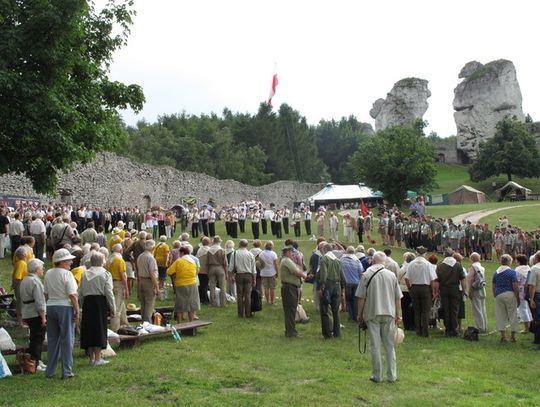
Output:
x,y
60,338
352,301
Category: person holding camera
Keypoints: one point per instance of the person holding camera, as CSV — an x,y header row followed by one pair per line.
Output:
x,y
379,308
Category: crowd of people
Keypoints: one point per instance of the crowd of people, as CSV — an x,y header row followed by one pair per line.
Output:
x,y
93,275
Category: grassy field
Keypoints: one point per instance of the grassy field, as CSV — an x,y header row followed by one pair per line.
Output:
x,y
449,211
450,177
250,363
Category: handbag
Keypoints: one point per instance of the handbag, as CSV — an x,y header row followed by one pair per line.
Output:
x,y
4,368
435,306
399,335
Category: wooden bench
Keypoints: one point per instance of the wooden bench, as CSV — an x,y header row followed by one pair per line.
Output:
x,y
184,328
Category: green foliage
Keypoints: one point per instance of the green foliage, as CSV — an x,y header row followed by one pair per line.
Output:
x,y
395,160
255,149
512,151
337,141
58,105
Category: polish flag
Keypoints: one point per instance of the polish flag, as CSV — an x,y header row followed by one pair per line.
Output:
x,y
363,208
273,89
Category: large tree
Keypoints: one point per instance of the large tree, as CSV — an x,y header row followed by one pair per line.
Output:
x,y
395,160
57,104
512,151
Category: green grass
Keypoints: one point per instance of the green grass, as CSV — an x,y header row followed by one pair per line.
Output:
x,y
449,211
523,217
450,177
249,363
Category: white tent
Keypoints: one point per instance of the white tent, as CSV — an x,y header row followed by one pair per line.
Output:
x,y
514,190
344,193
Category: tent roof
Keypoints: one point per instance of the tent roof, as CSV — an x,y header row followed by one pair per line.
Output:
x,y
333,192
513,185
467,188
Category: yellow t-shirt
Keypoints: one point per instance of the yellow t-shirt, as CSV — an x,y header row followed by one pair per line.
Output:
x,y
115,239
20,270
122,234
117,267
184,271
77,274
161,253
29,254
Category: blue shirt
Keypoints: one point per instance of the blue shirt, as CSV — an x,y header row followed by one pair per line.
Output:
x,y
352,268
503,281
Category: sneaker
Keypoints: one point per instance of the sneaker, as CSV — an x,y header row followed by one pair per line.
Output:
x,y
100,362
41,367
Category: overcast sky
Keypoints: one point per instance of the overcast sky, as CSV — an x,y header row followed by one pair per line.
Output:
x,y
333,58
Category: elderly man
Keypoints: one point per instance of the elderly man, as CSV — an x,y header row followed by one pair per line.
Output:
x,y
534,297
116,265
148,280
33,310
352,270
331,285
242,266
379,305
37,230
291,280
450,277
421,282
202,255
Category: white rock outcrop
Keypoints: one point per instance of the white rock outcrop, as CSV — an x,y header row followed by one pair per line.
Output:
x,y
485,96
406,102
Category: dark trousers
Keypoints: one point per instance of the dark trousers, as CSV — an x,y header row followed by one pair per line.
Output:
x,y
39,246
234,230
264,226
15,241
536,318
330,323
352,301
273,227
37,336
242,225
279,234
203,289
407,311
286,225
204,226
297,230
212,229
289,299
255,229
450,302
307,224
195,229
421,299
244,282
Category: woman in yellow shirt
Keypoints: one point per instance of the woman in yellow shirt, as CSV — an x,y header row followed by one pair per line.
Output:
x,y
161,254
20,271
184,270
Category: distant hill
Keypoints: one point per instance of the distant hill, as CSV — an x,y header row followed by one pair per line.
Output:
x,y
450,177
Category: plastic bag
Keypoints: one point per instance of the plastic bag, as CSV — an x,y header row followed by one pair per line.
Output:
x,y
6,343
4,369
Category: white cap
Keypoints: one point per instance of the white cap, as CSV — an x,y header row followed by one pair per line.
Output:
x,y
61,255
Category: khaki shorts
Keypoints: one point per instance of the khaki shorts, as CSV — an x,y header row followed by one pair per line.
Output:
x,y
269,282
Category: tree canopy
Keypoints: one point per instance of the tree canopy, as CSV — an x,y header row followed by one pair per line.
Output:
x,y
57,104
395,160
512,151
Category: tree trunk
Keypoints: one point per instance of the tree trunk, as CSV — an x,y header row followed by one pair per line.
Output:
x,y
509,175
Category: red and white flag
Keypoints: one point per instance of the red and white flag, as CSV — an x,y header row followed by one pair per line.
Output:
x,y
363,209
273,89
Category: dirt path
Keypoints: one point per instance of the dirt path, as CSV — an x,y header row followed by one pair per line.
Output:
x,y
475,216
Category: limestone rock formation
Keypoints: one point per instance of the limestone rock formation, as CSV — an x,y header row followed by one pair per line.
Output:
x,y
145,185
485,96
406,102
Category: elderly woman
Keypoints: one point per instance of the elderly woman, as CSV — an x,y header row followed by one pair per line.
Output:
x,y
477,292
406,301
33,310
97,300
62,313
522,272
506,293
269,272
20,270
184,269
161,254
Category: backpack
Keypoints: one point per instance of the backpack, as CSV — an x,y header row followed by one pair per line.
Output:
x,y
479,280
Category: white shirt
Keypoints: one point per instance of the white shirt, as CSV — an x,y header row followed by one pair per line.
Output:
x,y
59,285
37,227
268,257
420,272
